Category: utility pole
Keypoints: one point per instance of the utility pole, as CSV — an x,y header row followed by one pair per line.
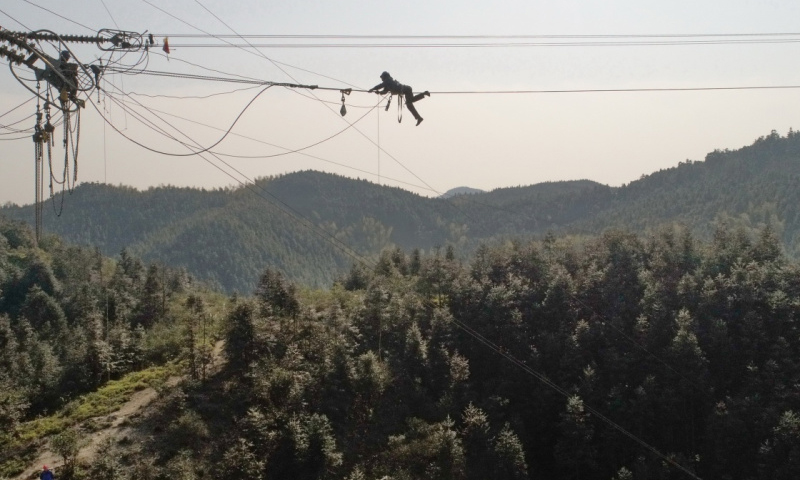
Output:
x,y
65,81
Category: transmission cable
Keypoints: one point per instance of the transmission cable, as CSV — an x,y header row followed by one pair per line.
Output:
x,y
193,97
212,145
14,19
109,14
663,43
283,148
248,51
29,100
58,15
429,37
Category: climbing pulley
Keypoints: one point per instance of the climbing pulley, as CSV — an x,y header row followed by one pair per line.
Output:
x,y
343,110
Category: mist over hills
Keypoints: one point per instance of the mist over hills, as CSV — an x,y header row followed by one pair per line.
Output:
x,y
313,226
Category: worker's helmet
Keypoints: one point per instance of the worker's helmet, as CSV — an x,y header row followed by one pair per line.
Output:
x,y
385,75
65,56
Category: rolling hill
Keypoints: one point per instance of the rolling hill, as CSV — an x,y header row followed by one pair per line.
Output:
x,y
314,225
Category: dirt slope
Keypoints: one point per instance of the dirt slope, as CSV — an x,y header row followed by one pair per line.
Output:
x,y
116,428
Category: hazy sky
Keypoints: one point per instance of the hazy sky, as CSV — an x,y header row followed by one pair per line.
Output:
x,y
479,140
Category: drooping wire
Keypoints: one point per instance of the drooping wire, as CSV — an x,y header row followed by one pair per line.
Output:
x,y
9,126
29,100
306,147
208,148
193,97
297,150
252,186
282,148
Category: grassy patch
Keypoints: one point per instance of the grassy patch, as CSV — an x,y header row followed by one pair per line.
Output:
x,y
12,467
105,400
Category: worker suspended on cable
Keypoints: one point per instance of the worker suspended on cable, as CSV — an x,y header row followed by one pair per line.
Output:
x,y
390,85
60,73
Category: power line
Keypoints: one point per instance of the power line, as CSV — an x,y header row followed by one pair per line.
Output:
x,y
58,15
173,58
15,138
109,14
253,81
491,44
14,19
209,69
257,53
18,106
612,90
193,97
7,126
560,36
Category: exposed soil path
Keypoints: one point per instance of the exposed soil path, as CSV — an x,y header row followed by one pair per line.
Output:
x,y
117,426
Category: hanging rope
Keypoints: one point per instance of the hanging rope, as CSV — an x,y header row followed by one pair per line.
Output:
x,y
76,142
66,120
38,159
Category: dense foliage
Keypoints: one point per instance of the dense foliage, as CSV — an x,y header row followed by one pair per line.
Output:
x,y
529,362
312,225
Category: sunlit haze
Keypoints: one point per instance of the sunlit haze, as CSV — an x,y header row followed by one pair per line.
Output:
x,y
480,139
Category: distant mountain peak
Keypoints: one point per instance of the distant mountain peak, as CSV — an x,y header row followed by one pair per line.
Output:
x,y
460,191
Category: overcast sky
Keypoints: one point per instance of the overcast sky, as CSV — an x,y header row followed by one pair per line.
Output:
x,y
481,140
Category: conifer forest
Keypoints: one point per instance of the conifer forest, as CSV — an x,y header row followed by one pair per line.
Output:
x,y
617,356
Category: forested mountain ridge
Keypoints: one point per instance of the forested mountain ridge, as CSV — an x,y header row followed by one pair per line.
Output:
x,y
313,225
759,183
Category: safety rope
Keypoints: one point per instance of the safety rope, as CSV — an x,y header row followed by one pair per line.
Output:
x,y
38,158
76,143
